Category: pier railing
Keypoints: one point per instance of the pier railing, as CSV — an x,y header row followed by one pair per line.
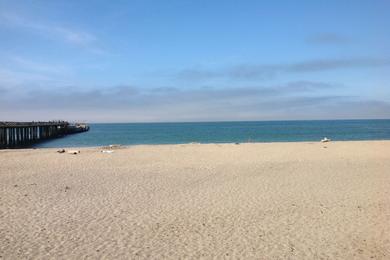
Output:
x,y
23,134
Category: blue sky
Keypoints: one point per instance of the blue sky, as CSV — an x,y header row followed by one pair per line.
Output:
x,y
136,61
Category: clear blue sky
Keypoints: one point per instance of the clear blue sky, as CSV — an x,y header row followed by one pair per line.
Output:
x,y
133,61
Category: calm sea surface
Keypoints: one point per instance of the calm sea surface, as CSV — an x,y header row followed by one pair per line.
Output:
x,y
225,132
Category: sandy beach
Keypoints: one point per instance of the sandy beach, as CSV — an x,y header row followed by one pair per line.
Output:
x,y
246,201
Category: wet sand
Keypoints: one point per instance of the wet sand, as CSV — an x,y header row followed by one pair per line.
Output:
x,y
248,201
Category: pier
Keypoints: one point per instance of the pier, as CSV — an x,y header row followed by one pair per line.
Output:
x,y
24,134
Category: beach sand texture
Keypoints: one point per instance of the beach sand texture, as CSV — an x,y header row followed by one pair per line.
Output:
x,y
247,201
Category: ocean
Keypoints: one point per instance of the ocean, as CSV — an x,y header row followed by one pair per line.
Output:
x,y
224,132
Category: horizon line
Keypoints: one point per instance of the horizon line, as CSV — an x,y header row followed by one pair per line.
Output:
x,y
240,121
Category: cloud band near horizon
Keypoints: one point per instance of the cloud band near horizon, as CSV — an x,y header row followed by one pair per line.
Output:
x,y
293,100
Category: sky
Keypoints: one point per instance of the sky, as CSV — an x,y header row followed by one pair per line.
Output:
x,y
179,60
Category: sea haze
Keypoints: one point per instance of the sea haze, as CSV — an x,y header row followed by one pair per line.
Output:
x,y
225,132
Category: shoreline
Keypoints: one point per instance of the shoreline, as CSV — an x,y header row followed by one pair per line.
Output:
x,y
124,146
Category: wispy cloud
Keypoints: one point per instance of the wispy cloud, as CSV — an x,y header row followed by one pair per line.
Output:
x,y
69,35
22,73
328,39
11,78
30,65
262,71
128,96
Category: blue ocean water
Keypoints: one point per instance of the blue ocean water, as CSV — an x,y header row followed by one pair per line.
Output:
x,y
225,132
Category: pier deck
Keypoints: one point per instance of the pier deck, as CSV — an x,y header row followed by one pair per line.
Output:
x,y
24,134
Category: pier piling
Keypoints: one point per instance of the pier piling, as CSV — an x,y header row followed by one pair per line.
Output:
x,y
23,134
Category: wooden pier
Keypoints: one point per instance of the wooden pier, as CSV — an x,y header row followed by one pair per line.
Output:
x,y
24,134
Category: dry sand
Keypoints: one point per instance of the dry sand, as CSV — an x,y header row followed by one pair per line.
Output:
x,y
247,201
